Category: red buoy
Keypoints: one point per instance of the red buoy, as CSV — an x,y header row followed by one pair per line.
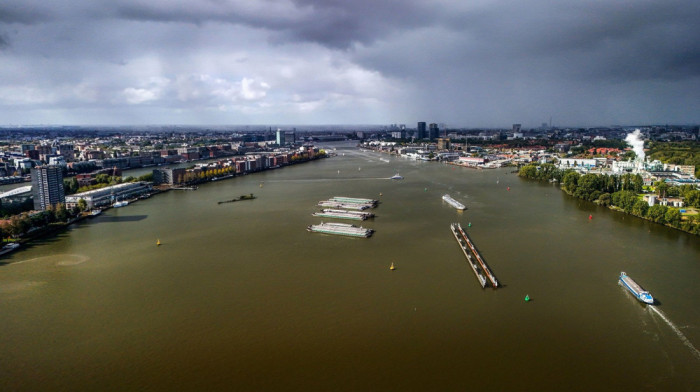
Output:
x,y
590,217
508,188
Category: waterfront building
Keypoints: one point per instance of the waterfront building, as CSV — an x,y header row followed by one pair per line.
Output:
x,y
47,186
168,176
443,143
106,196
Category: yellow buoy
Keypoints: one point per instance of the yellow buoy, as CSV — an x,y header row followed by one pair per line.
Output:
x,y
392,267
158,242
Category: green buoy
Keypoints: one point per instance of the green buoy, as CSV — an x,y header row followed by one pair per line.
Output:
x,y
425,190
470,224
527,298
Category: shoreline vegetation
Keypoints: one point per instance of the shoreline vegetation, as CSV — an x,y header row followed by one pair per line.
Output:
x,y
624,193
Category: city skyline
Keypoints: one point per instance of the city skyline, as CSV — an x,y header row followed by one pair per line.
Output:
x,y
481,64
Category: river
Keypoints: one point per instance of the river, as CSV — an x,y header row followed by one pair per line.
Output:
x,y
240,296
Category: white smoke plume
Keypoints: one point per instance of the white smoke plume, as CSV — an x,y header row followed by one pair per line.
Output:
x,y
635,141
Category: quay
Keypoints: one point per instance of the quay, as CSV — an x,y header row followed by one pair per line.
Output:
x,y
482,263
479,276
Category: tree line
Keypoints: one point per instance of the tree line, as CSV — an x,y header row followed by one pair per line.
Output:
x,y
622,192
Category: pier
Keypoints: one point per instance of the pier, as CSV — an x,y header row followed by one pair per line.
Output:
x,y
484,267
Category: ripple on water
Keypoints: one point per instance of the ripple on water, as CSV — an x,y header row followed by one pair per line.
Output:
x,y
63,260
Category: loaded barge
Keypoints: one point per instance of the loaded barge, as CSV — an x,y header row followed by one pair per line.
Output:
x,y
343,214
454,203
636,289
479,276
484,267
341,229
353,200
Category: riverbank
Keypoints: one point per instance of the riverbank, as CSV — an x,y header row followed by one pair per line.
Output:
x,y
623,193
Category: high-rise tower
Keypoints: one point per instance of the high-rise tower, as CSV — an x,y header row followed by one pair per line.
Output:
x,y
47,186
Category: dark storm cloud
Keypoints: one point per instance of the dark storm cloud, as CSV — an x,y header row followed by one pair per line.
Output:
x,y
27,12
480,62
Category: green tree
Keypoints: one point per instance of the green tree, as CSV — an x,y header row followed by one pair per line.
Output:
x,y
640,208
570,181
661,188
657,213
673,217
82,204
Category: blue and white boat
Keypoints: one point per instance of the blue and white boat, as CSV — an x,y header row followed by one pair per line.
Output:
x,y
396,176
636,289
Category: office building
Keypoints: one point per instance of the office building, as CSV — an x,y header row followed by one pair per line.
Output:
x,y
421,130
47,186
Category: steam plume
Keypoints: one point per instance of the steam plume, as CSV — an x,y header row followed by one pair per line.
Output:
x,y
635,141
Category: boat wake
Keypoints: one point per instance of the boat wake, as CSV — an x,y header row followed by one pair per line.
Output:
x,y
678,332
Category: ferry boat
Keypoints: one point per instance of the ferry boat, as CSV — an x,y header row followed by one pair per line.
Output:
x,y
454,203
341,229
396,176
12,246
636,289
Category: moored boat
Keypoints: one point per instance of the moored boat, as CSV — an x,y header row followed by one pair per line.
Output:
x,y
12,246
634,288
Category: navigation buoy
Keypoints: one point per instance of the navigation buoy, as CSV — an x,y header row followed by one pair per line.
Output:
x,y
527,298
425,190
590,217
469,225
392,267
158,243
380,194
508,188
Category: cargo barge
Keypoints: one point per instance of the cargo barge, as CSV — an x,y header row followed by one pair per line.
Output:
x,y
454,203
636,289
343,214
348,206
341,229
484,267
479,276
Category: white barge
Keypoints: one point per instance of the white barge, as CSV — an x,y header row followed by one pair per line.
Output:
x,y
349,206
454,203
343,214
353,200
341,229
636,289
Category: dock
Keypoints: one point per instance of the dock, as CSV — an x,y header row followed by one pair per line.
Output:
x,y
456,227
479,276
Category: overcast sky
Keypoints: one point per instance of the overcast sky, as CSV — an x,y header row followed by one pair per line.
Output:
x,y
483,63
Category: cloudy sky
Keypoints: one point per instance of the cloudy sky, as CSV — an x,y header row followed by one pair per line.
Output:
x,y
473,63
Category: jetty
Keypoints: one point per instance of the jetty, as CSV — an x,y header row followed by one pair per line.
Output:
x,y
460,234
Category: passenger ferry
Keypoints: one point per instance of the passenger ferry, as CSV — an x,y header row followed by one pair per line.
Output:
x,y
454,203
341,229
636,289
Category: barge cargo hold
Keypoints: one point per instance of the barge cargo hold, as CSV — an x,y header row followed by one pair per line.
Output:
x,y
349,206
479,276
353,200
454,203
484,267
636,289
344,214
341,229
